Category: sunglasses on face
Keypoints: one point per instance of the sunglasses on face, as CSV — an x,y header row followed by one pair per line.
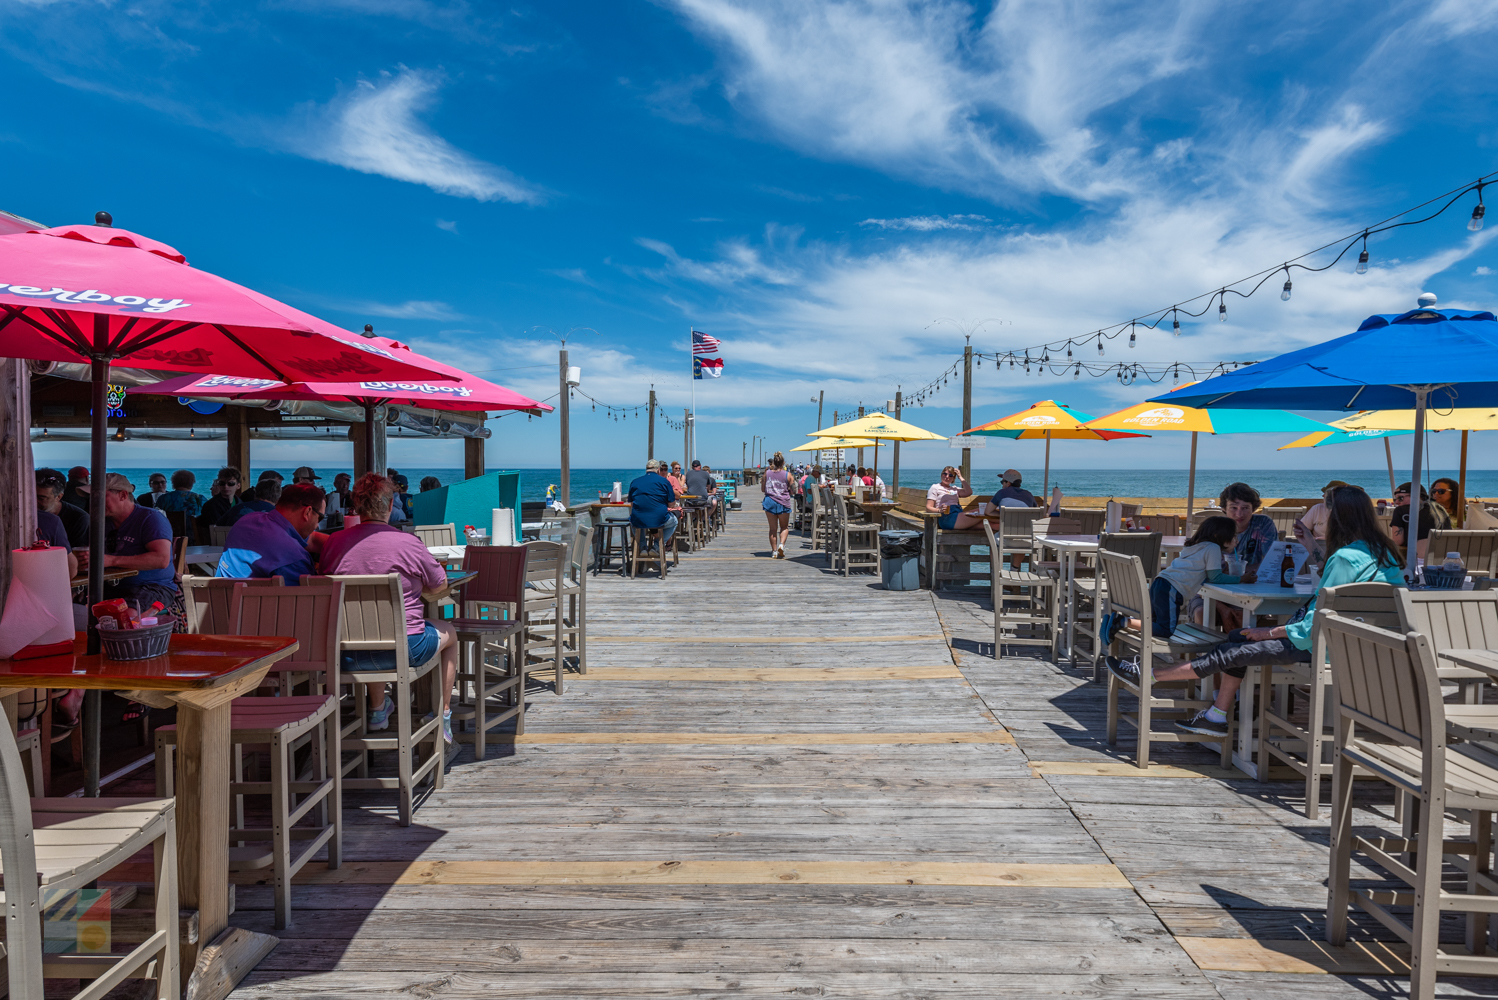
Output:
x,y
1440,489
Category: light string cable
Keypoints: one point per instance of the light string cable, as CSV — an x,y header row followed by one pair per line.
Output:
x,y
617,413
1041,353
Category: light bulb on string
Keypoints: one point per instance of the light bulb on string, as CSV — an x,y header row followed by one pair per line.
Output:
x,y
1100,346
1077,373
1362,267
1068,348
1475,223
1222,310
1285,294
1131,336
1175,322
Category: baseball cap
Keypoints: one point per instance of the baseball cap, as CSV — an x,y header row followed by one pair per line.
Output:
x,y
113,481
304,472
651,463
1011,476
1333,484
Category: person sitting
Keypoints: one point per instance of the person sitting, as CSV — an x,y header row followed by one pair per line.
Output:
x,y
1399,527
1446,493
1199,562
866,477
401,509
75,492
677,480
879,485
942,499
142,542
181,499
263,544
700,485
157,484
219,505
1439,515
1256,533
430,483
1011,493
264,497
650,497
49,487
1359,552
49,527
373,546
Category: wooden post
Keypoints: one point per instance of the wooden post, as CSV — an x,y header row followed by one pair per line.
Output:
x,y
18,504
238,444
563,411
1461,509
650,441
362,459
686,434
860,451
895,471
473,457
1389,457
1191,484
967,409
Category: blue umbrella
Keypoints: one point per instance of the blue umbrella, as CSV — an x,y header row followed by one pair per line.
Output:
x,y
1455,364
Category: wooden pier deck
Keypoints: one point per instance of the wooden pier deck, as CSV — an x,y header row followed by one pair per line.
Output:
x,y
774,781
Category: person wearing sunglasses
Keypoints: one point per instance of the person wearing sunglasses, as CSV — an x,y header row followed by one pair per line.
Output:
x,y
216,507
49,487
1439,516
1447,492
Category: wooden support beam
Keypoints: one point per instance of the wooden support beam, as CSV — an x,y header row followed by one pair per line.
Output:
x,y
17,504
238,444
473,457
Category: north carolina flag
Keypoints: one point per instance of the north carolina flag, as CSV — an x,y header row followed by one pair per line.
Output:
x,y
713,366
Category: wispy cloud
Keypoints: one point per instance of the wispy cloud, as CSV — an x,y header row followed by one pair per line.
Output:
x,y
410,309
929,223
444,224
375,128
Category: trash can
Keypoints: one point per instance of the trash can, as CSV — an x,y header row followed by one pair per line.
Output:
x,y
900,559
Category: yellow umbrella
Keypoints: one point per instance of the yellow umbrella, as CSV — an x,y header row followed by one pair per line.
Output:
x,y
1464,419
881,428
1050,420
828,444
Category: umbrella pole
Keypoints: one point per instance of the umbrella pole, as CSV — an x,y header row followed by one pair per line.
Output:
x,y
1191,484
93,701
1389,456
1412,529
1461,510
369,442
1045,479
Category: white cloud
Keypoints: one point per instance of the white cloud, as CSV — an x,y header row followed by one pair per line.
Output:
x,y
375,129
410,309
444,224
929,223
1482,272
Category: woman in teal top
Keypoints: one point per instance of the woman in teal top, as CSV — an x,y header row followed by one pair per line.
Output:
x,y
1360,552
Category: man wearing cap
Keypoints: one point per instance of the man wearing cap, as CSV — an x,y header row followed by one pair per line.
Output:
x,y
1010,493
650,497
76,492
142,542
263,544
305,474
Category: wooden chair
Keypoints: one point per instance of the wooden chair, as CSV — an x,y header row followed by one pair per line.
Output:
x,y
1284,519
1305,748
858,541
654,550
1479,550
1033,592
208,601
1455,619
1390,725
281,726
573,613
1089,521
179,558
51,848
437,534
541,611
489,655
29,742
179,522
1165,524
218,534
1091,590
1128,594
374,620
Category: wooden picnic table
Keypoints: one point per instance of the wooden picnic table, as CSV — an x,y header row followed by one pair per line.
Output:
x,y
1255,599
204,556
111,574
200,675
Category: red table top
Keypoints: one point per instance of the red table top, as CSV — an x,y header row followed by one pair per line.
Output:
x,y
192,662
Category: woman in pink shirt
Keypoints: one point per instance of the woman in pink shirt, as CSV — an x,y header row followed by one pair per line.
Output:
x,y
373,546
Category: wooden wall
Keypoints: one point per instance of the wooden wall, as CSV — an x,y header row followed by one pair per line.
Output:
x,y
18,501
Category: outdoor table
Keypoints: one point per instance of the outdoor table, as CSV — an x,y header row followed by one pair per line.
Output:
x,y
1255,599
444,553
1069,548
205,556
111,574
433,598
1485,660
201,675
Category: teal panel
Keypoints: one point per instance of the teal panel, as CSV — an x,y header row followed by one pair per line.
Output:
x,y
1262,422
469,502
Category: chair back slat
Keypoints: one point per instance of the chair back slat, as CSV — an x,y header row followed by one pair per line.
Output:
x,y
1089,521
1384,680
374,612
501,574
1165,524
1145,545
312,614
1451,619
208,601
1016,530
218,534
437,534
1479,549
1284,518
544,561
1062,525
23,927
583,544
1128,590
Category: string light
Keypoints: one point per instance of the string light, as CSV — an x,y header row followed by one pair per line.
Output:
x,y
1175,323
1475,223
1285,295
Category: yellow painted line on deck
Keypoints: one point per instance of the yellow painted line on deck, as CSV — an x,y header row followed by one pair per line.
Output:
x,y
755,739
743,872
772,674
1123,769
1356,958
738,640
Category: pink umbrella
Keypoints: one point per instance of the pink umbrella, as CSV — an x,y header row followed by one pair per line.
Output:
x,y
99,294
465,392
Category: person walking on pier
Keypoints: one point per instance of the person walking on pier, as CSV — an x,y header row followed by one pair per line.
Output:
x,y
777,505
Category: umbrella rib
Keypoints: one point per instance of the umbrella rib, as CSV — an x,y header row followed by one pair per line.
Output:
x,y
149,338
254,354
67,334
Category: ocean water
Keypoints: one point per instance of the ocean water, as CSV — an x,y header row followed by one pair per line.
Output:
x,y
588,483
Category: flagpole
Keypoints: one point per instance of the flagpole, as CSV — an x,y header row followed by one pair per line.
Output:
x,y
692,371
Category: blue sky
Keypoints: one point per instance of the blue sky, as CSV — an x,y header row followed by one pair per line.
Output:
x,y
834,189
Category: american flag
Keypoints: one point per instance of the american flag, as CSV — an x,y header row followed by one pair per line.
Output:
x,y
704,344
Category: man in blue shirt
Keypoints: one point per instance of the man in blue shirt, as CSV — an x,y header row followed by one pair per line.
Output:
x,y
142,542
649,498
262,498
1011,493
263,544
